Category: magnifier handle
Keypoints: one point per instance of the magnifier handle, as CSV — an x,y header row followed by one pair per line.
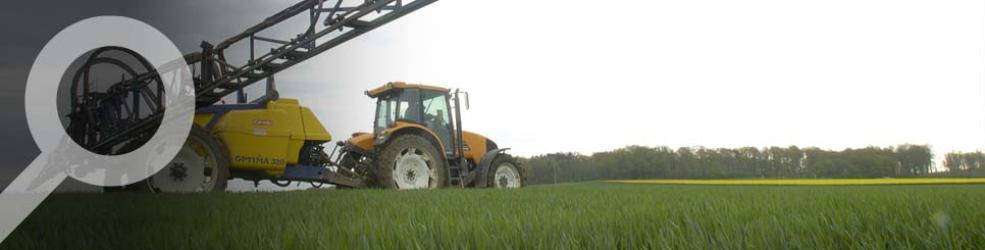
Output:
x,y
27,191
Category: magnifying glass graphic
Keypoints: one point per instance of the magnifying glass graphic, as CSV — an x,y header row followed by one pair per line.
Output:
x,y
61,157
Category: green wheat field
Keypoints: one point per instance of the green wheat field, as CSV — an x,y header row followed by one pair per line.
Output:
x,y
596,215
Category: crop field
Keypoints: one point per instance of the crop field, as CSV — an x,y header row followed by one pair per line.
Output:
x,y
597,215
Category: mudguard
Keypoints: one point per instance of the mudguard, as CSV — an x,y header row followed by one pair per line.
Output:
x,y
484,165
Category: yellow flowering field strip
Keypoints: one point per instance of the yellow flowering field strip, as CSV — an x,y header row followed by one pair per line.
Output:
x,y
812,182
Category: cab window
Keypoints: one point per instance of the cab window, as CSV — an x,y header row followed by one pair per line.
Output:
x,y
436,110
437,118
409,105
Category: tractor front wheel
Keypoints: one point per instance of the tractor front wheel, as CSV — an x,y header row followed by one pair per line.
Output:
x,y
410,162
505,173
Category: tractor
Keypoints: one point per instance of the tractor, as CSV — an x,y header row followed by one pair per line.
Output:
x,y
418,142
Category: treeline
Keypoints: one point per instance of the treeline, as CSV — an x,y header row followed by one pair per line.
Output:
x,y
639,162
965,164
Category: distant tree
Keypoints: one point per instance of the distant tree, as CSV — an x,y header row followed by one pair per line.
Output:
x,y
821,163
749,159
973,161
915,160
684,162
953,161
795,158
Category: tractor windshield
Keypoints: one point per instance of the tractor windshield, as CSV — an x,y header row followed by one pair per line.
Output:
x,y
384,114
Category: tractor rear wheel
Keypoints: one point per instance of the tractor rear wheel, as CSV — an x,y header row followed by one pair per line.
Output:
x,y
505,173
202,165
410,162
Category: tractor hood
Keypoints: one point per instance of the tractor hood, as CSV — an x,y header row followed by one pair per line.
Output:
x,y
362,140
476,145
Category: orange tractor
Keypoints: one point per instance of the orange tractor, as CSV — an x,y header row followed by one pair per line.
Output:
x,y
418,142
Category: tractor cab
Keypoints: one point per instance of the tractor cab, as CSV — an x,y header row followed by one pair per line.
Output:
x,y
400,104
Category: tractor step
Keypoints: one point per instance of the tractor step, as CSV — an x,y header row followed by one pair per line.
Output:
x,y
456,176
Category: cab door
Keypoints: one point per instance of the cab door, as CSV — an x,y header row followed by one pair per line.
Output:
x,y
437,118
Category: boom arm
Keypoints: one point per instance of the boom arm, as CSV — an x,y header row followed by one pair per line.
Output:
x,y
340,24
329,23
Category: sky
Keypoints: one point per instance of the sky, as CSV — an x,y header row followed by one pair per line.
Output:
x,y
588,76
559,76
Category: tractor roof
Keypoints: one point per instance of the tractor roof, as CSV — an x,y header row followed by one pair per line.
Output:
x,y
390,86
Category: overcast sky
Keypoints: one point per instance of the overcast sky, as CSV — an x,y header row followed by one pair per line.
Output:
x,y
550,76
587,76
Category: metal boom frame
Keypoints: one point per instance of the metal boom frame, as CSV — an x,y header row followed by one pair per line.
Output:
x,y
330,23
